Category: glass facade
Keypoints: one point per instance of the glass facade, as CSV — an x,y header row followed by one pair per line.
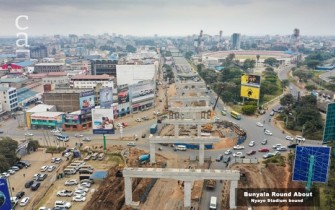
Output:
x,y
329,130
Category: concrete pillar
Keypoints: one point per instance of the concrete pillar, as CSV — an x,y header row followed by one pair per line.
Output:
x,y
232,197
152,153
199,130
187,193
176,130
128,190
201,154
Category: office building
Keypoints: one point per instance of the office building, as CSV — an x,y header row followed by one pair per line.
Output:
x,y
100,66
90,81
48,67
236,41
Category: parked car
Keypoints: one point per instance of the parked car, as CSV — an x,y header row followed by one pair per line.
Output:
x,y
264,142
219,158
263,150
20,194
15,168
131,144
24,201
41,177
79,198
80,192
63,204
11,172
86,139
51,168
144,135
79,135
28,184
226,159
44,168
86,184
28,134
281,148
82,188
35,186
268,155
71,182
138,120
65,193
272,113
299,138
251,152
276,146
145,118
5,174
238,154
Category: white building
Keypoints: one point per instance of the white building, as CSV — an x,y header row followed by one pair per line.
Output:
x,y
132,74
8,98
90,81
56,78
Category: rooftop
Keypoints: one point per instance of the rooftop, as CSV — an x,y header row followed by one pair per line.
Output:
x,y
40,108
47,114
3,88
49,64
92,77
13,80
25,63
57,74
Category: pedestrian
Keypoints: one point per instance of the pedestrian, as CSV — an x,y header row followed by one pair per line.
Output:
x,y
13,189
24,175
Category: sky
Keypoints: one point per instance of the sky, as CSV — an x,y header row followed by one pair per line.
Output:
x,y
168,17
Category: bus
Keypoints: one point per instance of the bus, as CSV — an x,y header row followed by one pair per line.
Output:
x,y
223,113
235,115
62,137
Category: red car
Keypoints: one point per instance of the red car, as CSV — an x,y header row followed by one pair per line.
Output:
x,y
251,152
264,150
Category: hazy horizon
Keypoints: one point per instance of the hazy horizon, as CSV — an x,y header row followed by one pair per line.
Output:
x,y
169,18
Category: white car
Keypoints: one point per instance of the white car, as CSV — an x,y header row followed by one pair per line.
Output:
x,y
259,124
82,188
51,168
252,143
44,168
276,146
67,154
238,147
71,182
55,131
299,138
5,174
86,139
290,138
267,132
138,120
131,144
119,125
281,148
80,192
85,184
64,193
79,135
63,204
28,134
228,152
44,208
79,198
238,154
24,201
10,171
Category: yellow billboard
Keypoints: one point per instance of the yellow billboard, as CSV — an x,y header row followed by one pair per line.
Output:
x,y
251,80
249,92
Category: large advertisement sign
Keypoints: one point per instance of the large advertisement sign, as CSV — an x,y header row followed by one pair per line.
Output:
x,y
106,97
103,121
252,80
5,203
250,92
123,94
86,101
143,89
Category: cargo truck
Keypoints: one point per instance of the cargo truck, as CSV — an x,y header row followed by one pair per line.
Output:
x,y
153,128
144,158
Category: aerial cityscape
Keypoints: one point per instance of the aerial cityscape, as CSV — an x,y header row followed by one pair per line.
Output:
x,y
121,105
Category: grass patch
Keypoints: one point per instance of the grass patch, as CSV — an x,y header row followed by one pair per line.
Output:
x,y
277,160
116,158
237,108
55,149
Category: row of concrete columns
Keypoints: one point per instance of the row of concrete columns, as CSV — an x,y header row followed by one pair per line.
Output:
x,y
187,192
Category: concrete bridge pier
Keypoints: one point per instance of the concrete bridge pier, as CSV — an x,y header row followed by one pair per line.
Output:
x,y
201,154
152,153
128,190
187,193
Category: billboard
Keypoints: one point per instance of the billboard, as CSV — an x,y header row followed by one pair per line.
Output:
x,y
315,157
123,94
5,202
103,121
106,97
86,101
250,92
145,89
252,80
329,129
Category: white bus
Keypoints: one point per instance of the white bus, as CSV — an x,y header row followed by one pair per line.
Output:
x,y
62,137
212,205
181,147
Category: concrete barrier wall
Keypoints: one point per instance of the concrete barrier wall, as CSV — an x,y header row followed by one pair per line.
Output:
x,y
244,160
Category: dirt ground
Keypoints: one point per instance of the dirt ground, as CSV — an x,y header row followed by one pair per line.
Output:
x,y
260,176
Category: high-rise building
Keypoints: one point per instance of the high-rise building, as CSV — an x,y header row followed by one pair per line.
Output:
x,y
236,41
101,66
38,52
329,130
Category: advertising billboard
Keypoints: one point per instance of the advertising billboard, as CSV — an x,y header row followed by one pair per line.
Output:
x,y
86,101
5,202
252,80
106,97
103,121
250,92
123,94
329,128
145,89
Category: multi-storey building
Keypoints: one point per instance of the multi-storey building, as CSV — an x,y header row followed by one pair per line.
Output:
x,y
48,67
100,66
91,81
8,97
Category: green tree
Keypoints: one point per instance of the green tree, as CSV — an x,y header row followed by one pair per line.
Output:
x,y
248,64
285,83
287,99
310,87
8,148
257,58
33,145
249,109
168,54
271,61
4,165
312,64
188,55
